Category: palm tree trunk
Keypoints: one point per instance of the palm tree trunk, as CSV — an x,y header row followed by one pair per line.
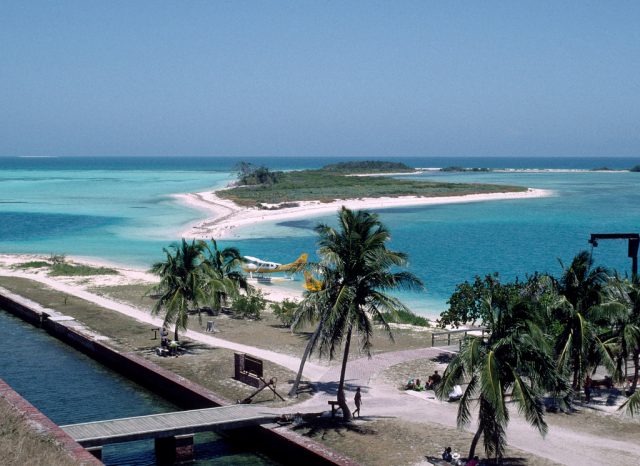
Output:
x,y
636,364
342,402
307,352
175,333
474,442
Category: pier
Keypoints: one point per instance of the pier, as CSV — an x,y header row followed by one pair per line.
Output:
x,y
173,432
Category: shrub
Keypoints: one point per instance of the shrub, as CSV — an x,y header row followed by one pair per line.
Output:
x,y
249,306
65,269
635,168
285,311
406,317
32,265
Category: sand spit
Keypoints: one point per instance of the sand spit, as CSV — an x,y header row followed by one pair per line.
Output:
x,y
228,218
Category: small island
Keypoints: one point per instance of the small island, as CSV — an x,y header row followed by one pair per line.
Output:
x,y
262,188
260,195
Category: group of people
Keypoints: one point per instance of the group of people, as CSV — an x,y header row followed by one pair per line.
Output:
x,y
430,384
454,458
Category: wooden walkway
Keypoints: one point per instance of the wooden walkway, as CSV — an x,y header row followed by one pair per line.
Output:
x,y
92,434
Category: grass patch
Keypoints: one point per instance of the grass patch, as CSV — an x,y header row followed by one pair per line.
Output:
x,y
32,265
71,270
326,186
20,444
406,317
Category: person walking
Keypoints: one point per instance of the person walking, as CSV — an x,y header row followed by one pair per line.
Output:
x,y
358,400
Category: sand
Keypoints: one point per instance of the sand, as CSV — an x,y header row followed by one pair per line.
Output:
x,y
227,218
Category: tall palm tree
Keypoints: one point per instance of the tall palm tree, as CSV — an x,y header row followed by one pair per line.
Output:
x,y
623,298
578,313
361,274
222,266
314,309
180,287
511,364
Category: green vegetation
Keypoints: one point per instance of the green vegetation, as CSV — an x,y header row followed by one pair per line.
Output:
x,y
66,269
58,266
456,168
546,336
635,168
327,186
285,311
601,169
368,166
249,306
32,265
405,316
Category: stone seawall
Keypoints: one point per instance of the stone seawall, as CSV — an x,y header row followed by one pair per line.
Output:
x,y
287,446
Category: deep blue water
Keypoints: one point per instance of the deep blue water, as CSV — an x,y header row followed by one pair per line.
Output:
x,y
69,387
228,163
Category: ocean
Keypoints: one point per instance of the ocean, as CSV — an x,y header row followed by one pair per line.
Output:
x,y
122,210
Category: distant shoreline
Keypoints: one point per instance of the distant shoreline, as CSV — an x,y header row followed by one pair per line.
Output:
x,y
228,217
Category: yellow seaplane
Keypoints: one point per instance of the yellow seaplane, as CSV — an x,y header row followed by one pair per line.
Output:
x,y
258,266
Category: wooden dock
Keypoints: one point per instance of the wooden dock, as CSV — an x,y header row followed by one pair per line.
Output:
x,y
92,434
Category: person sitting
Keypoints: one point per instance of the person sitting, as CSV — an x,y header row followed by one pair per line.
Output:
x,y
418,386
410,385
446,454
456,393
435,380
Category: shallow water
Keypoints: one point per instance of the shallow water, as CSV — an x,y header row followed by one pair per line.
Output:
x,y
121,209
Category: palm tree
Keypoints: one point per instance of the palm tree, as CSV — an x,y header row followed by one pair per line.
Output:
x,y
511,364
623,298
578,313
360,262
222,266
314,309
180,287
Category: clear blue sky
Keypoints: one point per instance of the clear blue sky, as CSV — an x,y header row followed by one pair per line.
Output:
x,y
319,78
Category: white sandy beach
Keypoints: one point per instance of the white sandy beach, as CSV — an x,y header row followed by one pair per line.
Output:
x,y
228,218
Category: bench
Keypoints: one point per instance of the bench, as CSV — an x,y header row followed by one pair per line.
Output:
x,y
333,404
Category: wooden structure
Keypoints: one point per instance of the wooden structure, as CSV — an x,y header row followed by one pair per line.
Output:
x,y
248,369
173,432
435,337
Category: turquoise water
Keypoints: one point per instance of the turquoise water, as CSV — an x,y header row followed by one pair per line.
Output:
x,y
70,387
122,210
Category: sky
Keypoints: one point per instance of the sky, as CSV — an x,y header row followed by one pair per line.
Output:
x,y
319,78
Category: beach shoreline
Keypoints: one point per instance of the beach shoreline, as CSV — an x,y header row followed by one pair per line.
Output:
x,y
227,218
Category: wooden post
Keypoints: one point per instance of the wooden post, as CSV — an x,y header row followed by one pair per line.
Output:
x,y
95,451
170,450
449,339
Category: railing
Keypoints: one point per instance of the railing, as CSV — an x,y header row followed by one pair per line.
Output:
x,y
435,336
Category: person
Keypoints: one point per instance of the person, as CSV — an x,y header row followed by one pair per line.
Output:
x,y
587,389
358,400
446,454
164,337
173,348
456,393
435,379
473,461
418,386
410,384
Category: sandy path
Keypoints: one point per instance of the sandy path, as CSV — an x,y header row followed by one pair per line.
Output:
x,y
228,217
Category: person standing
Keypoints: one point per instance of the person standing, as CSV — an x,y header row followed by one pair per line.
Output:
x,y
587,389
358,400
